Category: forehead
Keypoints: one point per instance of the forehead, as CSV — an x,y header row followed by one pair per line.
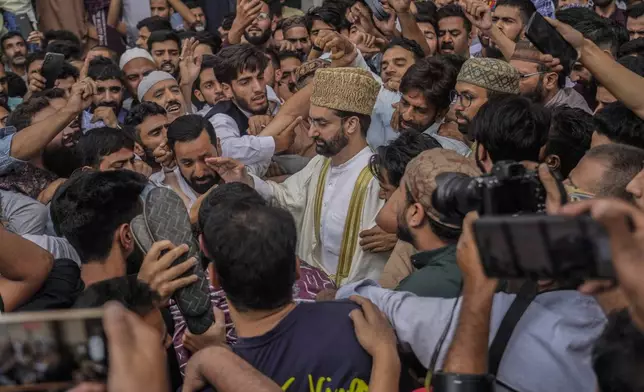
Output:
x,y
169,44
424,26
318,25
248,74
290,63
208,75
416,98
203,49
121,155
317,112
463,87
451,23
158,3
397,52
195,148
108,83
523,66
139,65
635,21
154,121
504,11
14,40
163,85
296,32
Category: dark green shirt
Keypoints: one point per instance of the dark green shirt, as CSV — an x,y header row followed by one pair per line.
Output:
x,y
436,275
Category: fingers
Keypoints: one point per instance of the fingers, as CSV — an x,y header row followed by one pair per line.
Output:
x,y
551,185
169,288
167,259
220,317
219,150
358,318
177,270
157,248
118,330
369,310
293,125
83,72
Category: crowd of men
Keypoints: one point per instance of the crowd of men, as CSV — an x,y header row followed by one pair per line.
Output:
x,y
304,150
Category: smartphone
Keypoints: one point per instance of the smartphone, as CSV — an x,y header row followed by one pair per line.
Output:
x,y
548,40
51,68
52,350
24,24
543,247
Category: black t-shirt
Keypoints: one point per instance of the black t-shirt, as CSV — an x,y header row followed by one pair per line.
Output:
x,y
312,349
60,290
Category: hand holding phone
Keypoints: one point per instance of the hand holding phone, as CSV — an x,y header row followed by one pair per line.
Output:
x,y
548,40
51,68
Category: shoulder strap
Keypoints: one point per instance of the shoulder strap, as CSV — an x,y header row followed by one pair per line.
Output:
x,y
230,109
524,298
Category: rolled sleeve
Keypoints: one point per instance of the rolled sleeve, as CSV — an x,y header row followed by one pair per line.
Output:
x,y
247,149
6,160
262,187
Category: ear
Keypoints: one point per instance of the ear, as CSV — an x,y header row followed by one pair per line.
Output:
x,y
278,75
352,125
550,80
125,238
553,162
415,215
228,90
199,96
138,150
484,157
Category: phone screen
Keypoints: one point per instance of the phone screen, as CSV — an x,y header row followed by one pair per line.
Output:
x,y
51,350
548,40
543,247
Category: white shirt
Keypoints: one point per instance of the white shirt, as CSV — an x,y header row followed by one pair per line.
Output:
x,y
253,151
158,179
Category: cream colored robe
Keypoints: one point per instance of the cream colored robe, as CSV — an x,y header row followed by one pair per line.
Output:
x,y
297,194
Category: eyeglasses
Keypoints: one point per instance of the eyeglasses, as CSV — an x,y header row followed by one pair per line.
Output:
x,y
525,76
262,16
465,100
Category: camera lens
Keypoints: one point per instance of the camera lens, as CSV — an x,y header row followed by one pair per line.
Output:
x,y
455,196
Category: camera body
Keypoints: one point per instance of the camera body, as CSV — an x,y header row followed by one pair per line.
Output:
x,y
509,189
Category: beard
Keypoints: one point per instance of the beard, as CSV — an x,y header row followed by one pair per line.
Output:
x,y
412,126
134,261
447,46
538,94
332,147
258,40
149,158
62,161
169,67
245,105
116,107
463,127
403,232
19,60
202,187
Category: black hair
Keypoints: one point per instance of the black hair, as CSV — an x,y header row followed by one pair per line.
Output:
x,y
511,128
16,86
454,10
574,15
434,77
61,35
188,128
140,112
102,68
67,70
526,8
23,114
288,55
128,290
32,57
253,250
274,8
184,35
395,156
154,23
227,23
91,205
604,33
364,119
620,124
633,63
192,4
69,49
328,14
162,36
235,59
426,9
634,47
112,54
212,40
618,355
561,77
8,36
569,138
208,62
431,19
98,143
407,44
272,54
52,93
625,162
455,59
635,11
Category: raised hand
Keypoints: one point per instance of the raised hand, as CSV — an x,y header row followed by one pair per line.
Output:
x,y
214,336
164,156
189,64
256,124
343,52
400,6
230,170
285,139
372,328
106,115
247,11
81,96
478,12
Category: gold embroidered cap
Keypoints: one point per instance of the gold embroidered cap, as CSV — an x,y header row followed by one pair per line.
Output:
x,y
345,89
491,74
420,176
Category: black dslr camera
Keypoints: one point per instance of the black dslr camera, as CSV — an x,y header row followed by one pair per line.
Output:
x,y
509,189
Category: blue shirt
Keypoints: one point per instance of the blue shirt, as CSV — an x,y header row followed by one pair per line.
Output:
x,y
6,160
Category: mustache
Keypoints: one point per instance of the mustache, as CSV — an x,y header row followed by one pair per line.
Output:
x,y
112,105
173,102
447,45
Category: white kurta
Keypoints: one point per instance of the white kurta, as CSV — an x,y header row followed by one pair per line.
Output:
x,y
298,193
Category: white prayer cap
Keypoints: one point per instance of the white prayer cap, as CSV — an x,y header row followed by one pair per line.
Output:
x,y
149,81
134,53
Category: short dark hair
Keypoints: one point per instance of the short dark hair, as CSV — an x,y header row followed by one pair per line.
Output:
x,y
327,14
188,128
407,44
192,4
112,54
571,131
33,57
272,54
434,77
90,207
253,250
98,143
23,114
634,47
511,128
288,55
102,68
635,11
227,23
52,93
395,156
604,33
154,23
526,8
140,112
625,162
9,35
618,355
574,15
208,62
16,85
211,40
162,36
61,35
633,63
67,70
425,18
620,124
426,9
69,49
454,10
365,119
235,59
128,290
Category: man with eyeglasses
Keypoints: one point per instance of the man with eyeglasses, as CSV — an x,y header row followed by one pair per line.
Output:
x,y
540,83
107,106
252,22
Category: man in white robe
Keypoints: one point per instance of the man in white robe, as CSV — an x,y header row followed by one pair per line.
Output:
x,y
336,187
